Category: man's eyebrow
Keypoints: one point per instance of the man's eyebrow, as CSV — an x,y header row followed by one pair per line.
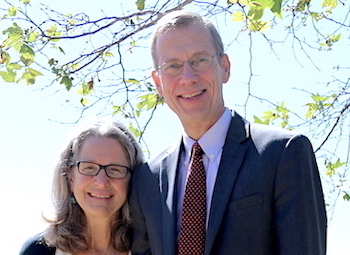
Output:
x,y
192,56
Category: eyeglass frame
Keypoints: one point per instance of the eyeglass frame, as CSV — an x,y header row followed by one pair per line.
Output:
x,y
104,167
189,62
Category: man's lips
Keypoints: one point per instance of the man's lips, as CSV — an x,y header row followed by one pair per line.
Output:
x,y
192,94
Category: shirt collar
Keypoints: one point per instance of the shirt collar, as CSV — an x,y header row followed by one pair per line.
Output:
x,y
213,140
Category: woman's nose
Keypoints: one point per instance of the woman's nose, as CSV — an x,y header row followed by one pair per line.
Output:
x,y
101,178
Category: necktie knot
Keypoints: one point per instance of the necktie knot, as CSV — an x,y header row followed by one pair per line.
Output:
x,y
197,150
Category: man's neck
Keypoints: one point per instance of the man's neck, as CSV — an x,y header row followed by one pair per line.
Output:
x,y
196,129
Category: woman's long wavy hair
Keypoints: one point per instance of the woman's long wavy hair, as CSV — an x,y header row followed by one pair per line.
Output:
x,y
68,230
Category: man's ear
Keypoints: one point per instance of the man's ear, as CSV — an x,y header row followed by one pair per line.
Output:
x,y
226,65
156,79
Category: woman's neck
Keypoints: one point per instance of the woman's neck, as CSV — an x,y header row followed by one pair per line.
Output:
x,y
100,235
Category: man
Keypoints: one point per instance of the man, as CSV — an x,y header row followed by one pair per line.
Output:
x,y
263,191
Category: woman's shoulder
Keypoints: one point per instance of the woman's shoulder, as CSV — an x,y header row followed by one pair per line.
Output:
x,y
36,245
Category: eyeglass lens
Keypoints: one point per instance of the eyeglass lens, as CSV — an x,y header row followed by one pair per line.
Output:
x,y
112,171
200,62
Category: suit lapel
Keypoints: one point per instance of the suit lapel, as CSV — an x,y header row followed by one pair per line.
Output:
x,y
168,170
232,157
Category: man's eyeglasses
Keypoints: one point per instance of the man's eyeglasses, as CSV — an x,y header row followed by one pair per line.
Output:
x,y
112,171
198,63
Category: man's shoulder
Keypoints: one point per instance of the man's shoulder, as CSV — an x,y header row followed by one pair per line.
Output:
x,y
36,245
165,152
263,129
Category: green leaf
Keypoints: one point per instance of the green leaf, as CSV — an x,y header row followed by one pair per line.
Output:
x,y
56,71
332,167
316,16
71,21
270,115
9,76
133,81
133,43
108,54
27,52
277,8
32,37
282,110
346,197
26,62
53,32
312,108
330,3
67,82
13,40
135,131
33,72
75,66
15,29
12,11
85,89
284,124
255,14
238,16
148,101
302,4
138,113
140,4
28,77
52,62
25,1
14,66
61,50
84,101
117,109
319,99
258,120
4,57
14,37
258,26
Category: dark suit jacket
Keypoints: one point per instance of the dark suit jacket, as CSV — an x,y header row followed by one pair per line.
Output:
x,y
267,198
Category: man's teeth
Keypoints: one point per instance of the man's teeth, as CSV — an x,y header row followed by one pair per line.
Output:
x,y
192,95
98,196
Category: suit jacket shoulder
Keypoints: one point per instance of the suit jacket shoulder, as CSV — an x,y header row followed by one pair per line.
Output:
x,y
36,245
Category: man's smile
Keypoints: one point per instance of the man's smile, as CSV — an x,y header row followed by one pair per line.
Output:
x,y
192,94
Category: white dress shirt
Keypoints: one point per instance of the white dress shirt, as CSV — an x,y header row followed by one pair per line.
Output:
x,y
212,143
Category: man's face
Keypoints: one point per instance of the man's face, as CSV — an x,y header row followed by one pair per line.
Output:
x,y
194,95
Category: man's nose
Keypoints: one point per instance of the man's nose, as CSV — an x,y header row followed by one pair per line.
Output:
x,y
188,73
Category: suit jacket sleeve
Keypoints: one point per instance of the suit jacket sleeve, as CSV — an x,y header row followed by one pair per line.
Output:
x,y
300,217
140,243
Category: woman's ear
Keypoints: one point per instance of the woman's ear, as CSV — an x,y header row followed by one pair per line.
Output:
x,y
70,180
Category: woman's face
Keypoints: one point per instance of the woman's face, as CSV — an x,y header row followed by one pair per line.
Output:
x,y
100,196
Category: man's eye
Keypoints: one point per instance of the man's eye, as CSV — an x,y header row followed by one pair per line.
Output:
x,y
173,66
201,60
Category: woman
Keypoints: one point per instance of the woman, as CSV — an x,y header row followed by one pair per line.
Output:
x,y
90,190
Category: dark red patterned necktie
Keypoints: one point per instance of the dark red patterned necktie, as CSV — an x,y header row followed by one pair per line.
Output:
x,y
193,221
